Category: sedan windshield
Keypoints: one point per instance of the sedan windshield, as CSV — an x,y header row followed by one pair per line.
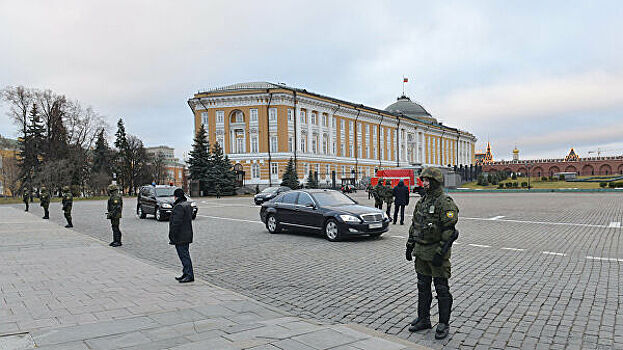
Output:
x,y
332,198
270,190
165,192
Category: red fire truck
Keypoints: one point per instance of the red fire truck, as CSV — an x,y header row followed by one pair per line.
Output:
x,y
409,175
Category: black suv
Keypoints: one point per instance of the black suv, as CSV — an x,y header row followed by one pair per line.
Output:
x,y
158,200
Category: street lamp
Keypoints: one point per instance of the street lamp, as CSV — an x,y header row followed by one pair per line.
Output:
x,y
529,175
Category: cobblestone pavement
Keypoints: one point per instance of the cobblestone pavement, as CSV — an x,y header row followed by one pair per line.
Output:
x,y
530,271
60,289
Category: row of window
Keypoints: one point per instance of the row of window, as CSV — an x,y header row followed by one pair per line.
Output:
x,y
346,171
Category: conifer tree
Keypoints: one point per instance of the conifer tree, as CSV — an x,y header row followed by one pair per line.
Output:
x,y
199,160
290,178
31,146
122,165
101,154
312,181
220,173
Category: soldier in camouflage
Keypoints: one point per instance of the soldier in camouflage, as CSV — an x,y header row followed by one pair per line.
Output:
x,y
388,196
68,201
430,240
115,207
26,197
44,199
377,193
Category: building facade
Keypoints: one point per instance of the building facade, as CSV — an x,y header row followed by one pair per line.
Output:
x,y
262,125
174,169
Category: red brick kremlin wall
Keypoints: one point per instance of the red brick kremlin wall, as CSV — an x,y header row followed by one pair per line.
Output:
x,y
547,167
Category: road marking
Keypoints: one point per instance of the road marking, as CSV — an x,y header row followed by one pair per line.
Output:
x,y
554,253
539,222
397,236
605,259
514,249
231,219
497,217
615,224
480,245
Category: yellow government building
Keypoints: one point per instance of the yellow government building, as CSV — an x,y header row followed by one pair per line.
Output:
x,y
262,125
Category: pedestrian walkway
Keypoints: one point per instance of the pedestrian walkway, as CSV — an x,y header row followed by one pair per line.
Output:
x,y
60,289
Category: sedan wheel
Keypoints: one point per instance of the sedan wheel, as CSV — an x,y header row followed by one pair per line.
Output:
x,y
139,211
331,230
272,225
158,214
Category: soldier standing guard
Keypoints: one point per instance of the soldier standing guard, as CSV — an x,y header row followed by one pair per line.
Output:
x,y
115,207
68,200
44,198
26,197
388,197
377,193
431,235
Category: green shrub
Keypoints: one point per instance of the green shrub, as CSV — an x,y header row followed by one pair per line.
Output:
x,y
543,178
524,184
515,184
603,184
509,184
500,185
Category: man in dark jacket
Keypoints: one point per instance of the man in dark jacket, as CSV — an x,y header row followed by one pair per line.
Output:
x,y
401,199
181,233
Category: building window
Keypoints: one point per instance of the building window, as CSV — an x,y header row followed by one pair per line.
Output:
x,y
375,153
351,153
302,117
239,145
324,120
253,115
290,115
328,170
314,119
303,143
306,169
254,145
342,153
325,144
351,127
290,144
342,124
273,144
333,148
343,170
313,145
220,117
374,131
367,129
274,169
238,117
255,171
272,114
333,122
204,119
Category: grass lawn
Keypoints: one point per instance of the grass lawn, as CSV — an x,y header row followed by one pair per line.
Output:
x,y
537,183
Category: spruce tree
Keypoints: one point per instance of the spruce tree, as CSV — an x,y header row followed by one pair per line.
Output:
x,y
290,178
199,160
312,181
31,146
101,154
220,173
122,166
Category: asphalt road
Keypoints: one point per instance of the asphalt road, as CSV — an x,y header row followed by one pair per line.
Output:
x,y
530,271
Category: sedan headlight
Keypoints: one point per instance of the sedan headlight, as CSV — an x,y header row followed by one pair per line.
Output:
x,y
350,218
166,206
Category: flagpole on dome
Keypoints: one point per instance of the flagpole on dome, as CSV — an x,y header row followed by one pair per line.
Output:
x,y
404,80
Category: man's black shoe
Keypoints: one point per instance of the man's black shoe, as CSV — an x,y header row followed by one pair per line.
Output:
x,y
180,278
394,223
402,223
115,244
45,217
419,325
442,331
69,226
187,279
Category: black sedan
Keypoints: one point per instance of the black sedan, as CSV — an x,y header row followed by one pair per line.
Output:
x,y
269,193
329,212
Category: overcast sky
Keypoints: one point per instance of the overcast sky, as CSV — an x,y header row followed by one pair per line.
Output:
x,y
544,76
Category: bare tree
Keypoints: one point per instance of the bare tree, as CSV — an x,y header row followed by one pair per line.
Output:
x,y
19,101
158,166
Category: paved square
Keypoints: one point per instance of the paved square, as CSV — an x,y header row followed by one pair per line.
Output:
x,y
530,271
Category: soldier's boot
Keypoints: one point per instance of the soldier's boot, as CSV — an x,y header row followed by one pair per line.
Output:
x,y
425,298
68,218
46,214
444,302
116,237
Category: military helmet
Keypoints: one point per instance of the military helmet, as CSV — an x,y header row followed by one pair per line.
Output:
x,y
113,188
433,174
66,189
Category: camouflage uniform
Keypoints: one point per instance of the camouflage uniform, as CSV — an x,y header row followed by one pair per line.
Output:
x,y
44,198
430,237
115,207
68,201
377,192
388,196
26,198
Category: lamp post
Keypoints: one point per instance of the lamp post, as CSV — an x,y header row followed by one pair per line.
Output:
x,y
529,175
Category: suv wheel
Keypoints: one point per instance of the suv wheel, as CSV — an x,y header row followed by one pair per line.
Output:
x,y
139,211
272,224
158,214
331,231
